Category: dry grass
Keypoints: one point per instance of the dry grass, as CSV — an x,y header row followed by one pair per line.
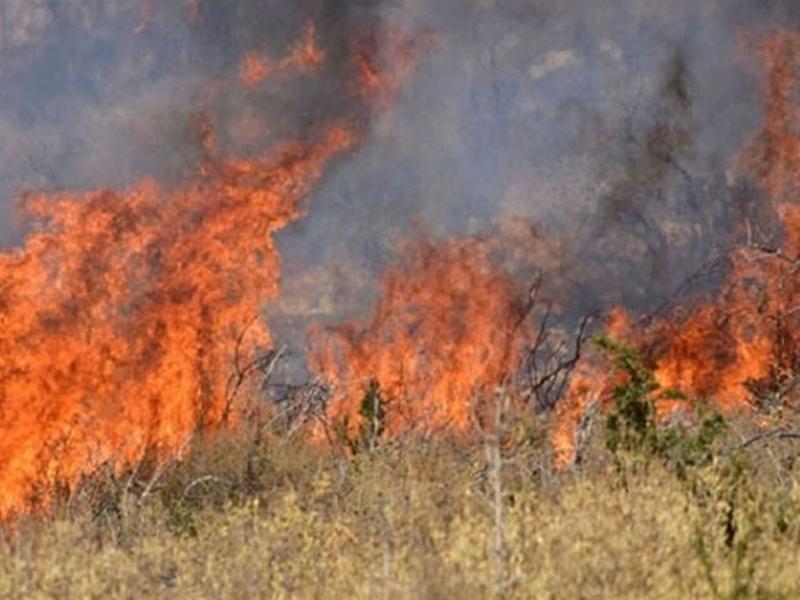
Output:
x,y
420,520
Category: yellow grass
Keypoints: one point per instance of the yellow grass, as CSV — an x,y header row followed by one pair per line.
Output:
x,y
418,520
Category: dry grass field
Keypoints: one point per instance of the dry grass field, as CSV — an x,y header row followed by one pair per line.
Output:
x,y
425,518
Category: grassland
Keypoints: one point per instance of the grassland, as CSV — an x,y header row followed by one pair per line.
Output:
x,y
424,518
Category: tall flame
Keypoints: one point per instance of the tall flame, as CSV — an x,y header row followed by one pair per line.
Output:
x,y
445,331
125,313
746,338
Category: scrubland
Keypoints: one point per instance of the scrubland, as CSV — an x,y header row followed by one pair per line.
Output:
x,y
701,510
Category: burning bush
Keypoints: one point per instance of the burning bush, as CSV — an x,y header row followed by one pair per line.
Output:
x,y
447,331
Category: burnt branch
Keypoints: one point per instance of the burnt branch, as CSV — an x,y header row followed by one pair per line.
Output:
x,y
548,367
264,364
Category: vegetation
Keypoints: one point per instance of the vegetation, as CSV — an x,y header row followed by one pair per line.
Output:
x,y
694,509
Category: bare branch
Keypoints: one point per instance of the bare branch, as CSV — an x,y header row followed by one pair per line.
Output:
x,y
203,480
778,434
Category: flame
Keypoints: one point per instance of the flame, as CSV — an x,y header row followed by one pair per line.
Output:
x,y
746,338
748,332
383,68
445,332
774,155
121,317
590,383
126,313
304,55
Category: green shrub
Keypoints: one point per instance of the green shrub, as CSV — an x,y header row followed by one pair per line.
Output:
x,y
633,433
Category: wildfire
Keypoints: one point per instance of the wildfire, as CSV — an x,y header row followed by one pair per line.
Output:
x,y
743,341
384,67
305,55
445,332
121,317
774,156
126,316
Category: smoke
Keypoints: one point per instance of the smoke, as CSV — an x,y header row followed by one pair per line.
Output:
x,y
611,125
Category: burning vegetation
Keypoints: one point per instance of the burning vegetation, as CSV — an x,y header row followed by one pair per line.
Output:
x,y
441,338
122,314
131,320
738,347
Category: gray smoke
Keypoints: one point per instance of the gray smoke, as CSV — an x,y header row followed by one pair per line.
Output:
x,y
611,125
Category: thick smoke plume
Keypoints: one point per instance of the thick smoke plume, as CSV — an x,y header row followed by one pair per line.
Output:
x,y
173,164
611,124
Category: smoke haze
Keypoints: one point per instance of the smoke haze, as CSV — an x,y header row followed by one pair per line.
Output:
x,y
608,127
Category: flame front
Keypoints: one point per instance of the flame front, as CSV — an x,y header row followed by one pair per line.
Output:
x,y
445,332
744,340
125,313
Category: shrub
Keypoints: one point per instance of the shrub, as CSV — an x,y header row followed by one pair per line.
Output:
x,y
633,433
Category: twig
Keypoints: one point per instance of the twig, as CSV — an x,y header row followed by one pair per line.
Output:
x,y
202,480
779,434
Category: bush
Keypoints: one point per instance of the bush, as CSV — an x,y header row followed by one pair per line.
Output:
x,y
632,431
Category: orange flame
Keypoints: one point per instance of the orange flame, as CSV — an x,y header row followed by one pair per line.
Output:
x,y
591,383
747,337
122,315
444,332
774,155
384,61
126,315
305,55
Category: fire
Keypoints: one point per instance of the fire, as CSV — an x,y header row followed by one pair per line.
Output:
x,y
774,155
122,316
384,67
745,339
126,313
128,316
445,332
747,334
305,55
591,383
